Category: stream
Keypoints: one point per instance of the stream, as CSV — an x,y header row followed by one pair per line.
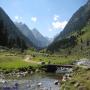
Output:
x,y
32,82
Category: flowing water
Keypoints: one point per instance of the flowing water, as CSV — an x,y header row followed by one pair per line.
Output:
x,y
33,82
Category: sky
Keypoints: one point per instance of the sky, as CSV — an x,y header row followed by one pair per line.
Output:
x,y
49,17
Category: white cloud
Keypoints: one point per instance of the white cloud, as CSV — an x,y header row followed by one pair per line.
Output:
x,y
34,19
59,25
18,18
56,17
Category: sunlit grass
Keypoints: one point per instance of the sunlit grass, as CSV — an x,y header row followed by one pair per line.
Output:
x,y
82,77
7,62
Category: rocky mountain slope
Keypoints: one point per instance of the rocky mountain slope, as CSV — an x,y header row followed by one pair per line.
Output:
x,y
33,35
75,38
77,21
42,41
27,33
10,35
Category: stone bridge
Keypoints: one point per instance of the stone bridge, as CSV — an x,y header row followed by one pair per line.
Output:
x,y
57,68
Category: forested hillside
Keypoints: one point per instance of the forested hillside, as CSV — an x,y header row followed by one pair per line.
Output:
x,y
75,38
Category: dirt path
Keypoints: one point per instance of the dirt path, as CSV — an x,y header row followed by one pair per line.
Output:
x,y
29,59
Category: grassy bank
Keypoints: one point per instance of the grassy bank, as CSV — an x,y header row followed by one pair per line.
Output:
x,y
14,61
80,81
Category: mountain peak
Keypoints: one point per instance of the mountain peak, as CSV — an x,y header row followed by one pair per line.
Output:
x,y
35,30
37,33
88,2
1,8
43,41
77,21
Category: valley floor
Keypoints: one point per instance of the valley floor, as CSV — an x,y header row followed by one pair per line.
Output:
x,y
31,60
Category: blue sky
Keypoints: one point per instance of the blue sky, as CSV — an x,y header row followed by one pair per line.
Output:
x,y
48,16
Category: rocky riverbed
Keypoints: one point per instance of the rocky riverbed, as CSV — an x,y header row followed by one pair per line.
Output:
x,y
33,82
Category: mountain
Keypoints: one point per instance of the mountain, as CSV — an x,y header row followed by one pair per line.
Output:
x,y
75,38
33,35
77,21
10,35
42,41
27,33
49,39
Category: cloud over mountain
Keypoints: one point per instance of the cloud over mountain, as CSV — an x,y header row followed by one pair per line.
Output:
x,y
59,25
34,19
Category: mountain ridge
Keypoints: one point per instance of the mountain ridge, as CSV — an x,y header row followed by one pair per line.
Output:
x,y
11,33
42,41
76,22
27,32
33,35
75,38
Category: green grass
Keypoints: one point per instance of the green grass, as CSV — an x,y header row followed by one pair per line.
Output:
x,y
86,36
8,61
12,62
18,60
81,76
55,59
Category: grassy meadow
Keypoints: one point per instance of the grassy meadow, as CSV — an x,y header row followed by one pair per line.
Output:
x,y
15,59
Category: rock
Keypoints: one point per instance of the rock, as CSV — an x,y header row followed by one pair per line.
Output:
x,y
31,72
39,84
18,76
37,70
6,88
82,88
64,79
43,63
3,81
16,84
28,86
76,84
56,82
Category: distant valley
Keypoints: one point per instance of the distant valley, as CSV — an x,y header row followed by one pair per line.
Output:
x,y
18,35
